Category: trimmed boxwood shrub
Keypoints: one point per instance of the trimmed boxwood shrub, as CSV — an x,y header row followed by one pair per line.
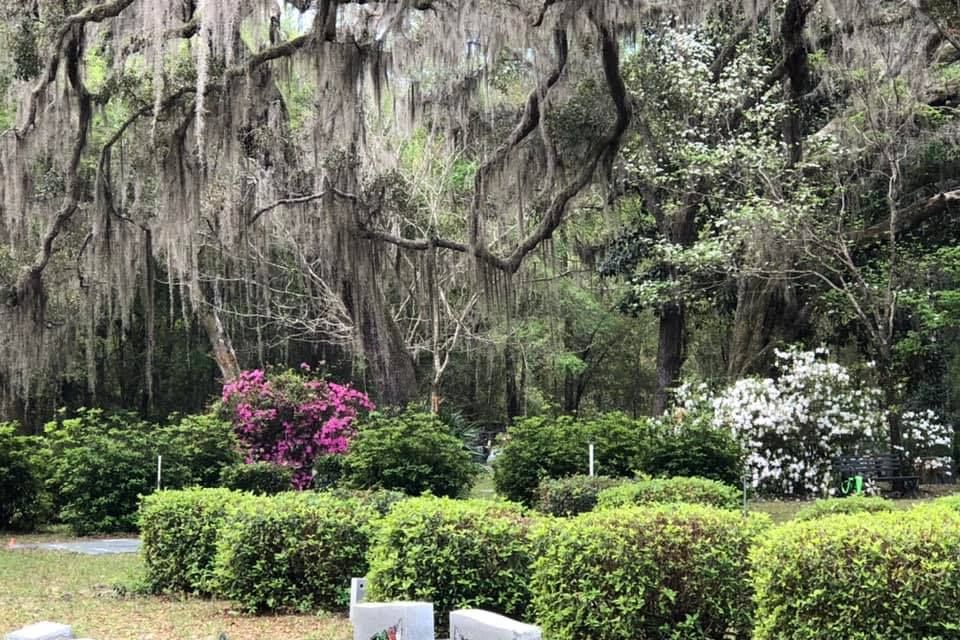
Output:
x,y
573,495
884,575
179,531
412,452
261,478
22,496
838,506
667,490
542,447
292,551
454,553
382,500
672,571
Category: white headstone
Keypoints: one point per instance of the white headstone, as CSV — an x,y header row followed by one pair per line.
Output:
x,y
477,624
393,621
358,593
42,631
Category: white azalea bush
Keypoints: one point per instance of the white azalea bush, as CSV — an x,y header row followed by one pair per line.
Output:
x,y
925,439
793,427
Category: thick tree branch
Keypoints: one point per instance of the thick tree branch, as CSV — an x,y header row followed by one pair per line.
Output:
x,y
32,277
525,126
909,218
604,149
283,202
95,13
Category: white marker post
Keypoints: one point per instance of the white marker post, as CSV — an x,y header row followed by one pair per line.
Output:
x,y
591,459
159,467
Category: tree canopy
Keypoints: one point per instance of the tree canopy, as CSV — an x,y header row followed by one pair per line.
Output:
x,y
507,206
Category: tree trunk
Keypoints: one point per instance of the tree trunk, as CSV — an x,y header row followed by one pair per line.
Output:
x,y
220,344
669,354
391,374
512,398
754,321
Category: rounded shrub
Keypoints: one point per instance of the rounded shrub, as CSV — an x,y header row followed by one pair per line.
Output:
x,y
22,496
295,551
673,571
534,449
196,448
99,467
179,531
573,495
838,506
694,448
667,490
412,452
883,575
454,553
261,478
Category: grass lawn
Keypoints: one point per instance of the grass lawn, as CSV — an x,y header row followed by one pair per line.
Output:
x,y
81,591
784,510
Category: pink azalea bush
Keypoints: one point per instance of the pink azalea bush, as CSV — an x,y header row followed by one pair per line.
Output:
x,y
289,419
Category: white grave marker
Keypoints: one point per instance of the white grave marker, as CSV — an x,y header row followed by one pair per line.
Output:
x,y
43,631
393,621
358,593
477,624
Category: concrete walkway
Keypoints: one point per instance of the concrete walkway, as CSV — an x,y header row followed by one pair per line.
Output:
x,y
88,547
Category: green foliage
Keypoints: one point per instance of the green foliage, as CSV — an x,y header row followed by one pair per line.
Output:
x,y
537,448
195,450
381,500
454,553
293,551
838,506
886,575
262,478
694,448
22,497
674,572
411,452
571,496
100,465
179,530
667,490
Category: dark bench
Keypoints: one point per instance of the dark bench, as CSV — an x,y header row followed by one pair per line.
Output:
x,y
879,467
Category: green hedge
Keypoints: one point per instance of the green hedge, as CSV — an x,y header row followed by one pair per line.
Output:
x,y
454,553
381,500
839,506
667,490
860,577
573,495
534,449
23,501
100,465
261,478
673,571
293,551
179,530
412,452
